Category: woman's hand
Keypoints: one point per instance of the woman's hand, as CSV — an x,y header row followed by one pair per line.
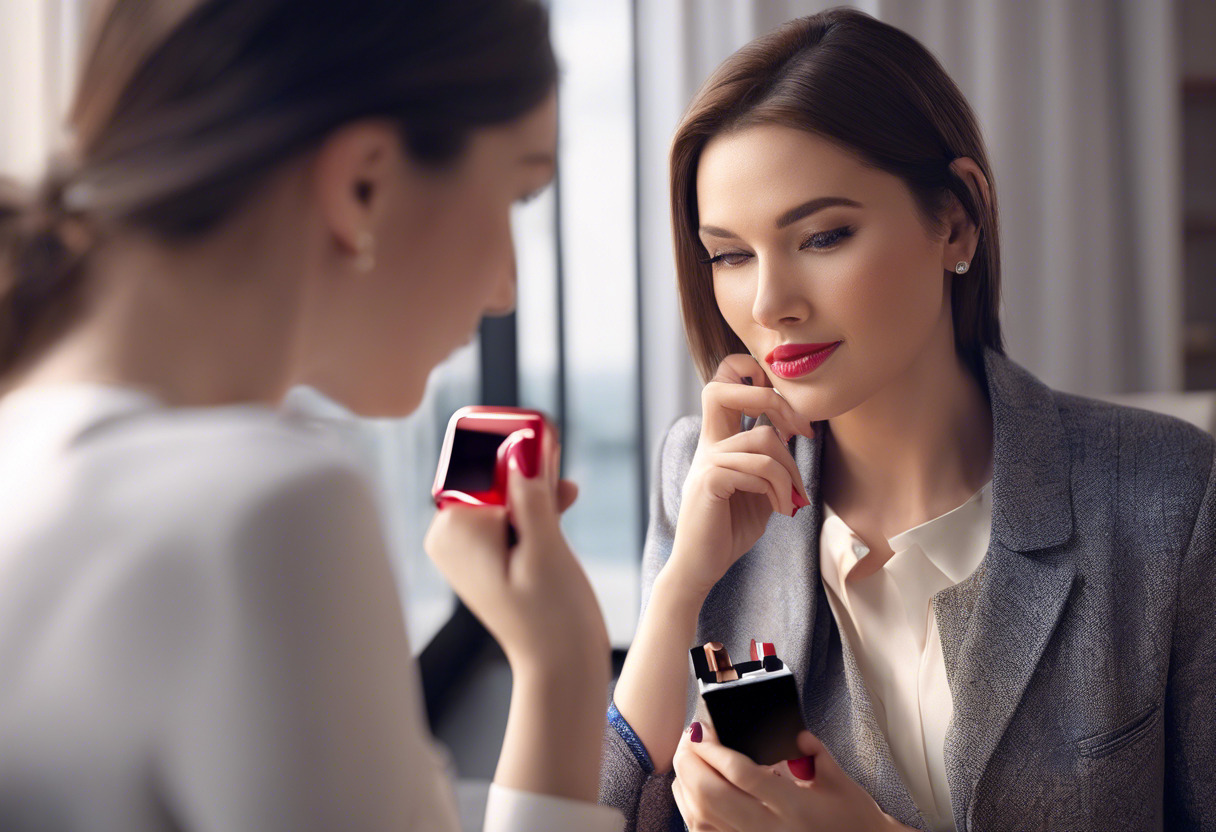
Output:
x,y
738,478
535,600
533,597
720,790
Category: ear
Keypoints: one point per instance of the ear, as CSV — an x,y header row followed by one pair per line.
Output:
x,y
963,235
351,174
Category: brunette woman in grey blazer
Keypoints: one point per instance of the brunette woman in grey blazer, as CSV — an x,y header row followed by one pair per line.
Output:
x,y
997,600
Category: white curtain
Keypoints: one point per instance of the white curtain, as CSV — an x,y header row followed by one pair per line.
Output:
x,y
1078,102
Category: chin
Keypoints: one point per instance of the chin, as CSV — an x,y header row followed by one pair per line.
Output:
x,y
815,404
377,401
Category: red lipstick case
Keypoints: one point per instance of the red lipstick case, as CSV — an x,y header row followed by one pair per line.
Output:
x,y
754,705
479,441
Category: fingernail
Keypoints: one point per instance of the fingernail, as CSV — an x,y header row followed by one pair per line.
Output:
x,y
803,768
799,500
749,381
694,732
525,457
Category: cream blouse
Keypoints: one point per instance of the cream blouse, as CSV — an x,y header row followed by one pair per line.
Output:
x,y
888,622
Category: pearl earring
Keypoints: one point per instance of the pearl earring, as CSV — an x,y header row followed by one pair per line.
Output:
x,y
961,267
365,252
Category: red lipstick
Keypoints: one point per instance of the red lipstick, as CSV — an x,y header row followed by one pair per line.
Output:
x,y
796,360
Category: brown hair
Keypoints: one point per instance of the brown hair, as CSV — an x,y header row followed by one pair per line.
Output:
x,y
876,92
185,106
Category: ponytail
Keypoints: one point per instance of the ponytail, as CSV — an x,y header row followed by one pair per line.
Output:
x,y
43,248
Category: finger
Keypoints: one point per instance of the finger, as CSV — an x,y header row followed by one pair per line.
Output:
x,y
741,368
722,405
781,487
756,781
552,454
677,791
702,792
567,493
817,762
532,500
693,823
712,798
764,440
724,483
463,538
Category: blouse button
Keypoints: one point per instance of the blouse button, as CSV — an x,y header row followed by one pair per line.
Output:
x,y
860,549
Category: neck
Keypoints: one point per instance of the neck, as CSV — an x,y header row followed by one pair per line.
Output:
x,y
917,449
211,323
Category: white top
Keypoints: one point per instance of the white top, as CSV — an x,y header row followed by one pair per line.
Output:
x,y
889,624
200,630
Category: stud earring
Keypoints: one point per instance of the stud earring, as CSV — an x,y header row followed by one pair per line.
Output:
x,y
365,252
961,267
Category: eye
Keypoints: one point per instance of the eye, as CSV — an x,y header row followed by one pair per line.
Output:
x,y
728,258
827,239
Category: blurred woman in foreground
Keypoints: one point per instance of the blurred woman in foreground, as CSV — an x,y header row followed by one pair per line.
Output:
x,y
198,624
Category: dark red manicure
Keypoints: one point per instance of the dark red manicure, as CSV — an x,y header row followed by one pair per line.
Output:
x,y
524,452
799,500
694,732
803,768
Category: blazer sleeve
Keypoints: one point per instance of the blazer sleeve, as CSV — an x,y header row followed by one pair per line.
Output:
x,y
628,782
1190,698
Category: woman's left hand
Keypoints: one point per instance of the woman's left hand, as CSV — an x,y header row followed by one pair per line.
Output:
x,y
720,790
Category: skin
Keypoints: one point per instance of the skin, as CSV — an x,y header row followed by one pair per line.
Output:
x,y
909,429
276,297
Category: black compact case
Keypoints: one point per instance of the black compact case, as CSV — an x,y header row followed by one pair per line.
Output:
x,y
754,705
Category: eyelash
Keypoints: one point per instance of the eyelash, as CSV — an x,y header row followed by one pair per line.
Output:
x,y
820,241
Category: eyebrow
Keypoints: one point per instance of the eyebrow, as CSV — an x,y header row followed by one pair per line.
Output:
x,y
794,214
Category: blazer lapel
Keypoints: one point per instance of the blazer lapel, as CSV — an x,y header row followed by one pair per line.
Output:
x,y
995,625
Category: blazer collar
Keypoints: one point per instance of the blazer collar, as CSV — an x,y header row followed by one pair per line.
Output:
x,y
1031,498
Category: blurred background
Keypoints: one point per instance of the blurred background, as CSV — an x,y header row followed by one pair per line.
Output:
x,y
1100,116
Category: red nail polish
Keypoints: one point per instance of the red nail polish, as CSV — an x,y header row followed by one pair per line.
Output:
x,y
799,500
694,732
526,453
803,768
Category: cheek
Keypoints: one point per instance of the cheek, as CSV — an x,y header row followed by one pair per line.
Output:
x,y
894,284
735,298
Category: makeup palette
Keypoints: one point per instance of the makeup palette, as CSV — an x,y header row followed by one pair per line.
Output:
x,y
753,705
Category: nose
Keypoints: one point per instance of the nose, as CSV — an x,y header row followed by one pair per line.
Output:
x,y
781,295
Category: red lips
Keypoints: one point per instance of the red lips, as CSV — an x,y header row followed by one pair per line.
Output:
x,y
796,360
788,352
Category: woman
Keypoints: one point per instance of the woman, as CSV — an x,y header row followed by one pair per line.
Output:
x,y
996,599
198,624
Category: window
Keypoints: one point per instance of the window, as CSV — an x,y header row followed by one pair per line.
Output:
x,y
574,335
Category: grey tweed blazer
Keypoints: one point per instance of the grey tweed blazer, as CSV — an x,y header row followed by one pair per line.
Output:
x,y
1081,654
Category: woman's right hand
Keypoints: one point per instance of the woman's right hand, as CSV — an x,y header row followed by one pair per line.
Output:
x,y
533,597
738,478
535,600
